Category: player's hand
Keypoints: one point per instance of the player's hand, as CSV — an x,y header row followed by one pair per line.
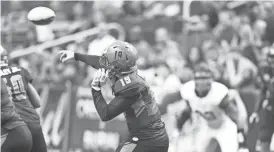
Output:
x,y
254,118
99,79
65,55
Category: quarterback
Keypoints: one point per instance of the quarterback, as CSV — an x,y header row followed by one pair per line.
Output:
x,y
207,115
133,97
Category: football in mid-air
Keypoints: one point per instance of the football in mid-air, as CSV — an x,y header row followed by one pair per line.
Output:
x,y
41,15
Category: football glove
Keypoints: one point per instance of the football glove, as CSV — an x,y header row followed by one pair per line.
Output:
x,y
99,79
254,118
65,55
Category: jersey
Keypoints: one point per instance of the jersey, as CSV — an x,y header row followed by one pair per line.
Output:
x,y
208,118
9,118
143,117
17,79
206,110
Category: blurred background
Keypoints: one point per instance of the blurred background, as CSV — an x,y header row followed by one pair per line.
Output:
x,y
172,38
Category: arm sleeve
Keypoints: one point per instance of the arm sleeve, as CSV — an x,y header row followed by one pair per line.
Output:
x,y
184,116
228,104
27,75
91,60
117,106
169,99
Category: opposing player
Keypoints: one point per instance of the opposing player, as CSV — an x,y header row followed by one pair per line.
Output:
x,y
207,114
25,98
15,135
267,114
132,97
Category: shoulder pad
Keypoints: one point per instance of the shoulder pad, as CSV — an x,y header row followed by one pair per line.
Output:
x,y
220,90
187,88
129,85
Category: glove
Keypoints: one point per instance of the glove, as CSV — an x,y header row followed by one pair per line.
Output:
x,y
65,55
99,79
254,118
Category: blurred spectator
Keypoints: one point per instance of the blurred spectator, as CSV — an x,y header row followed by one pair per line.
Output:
x,y
61,25
133,8
154,9
103,40
213,54
19,29
111,9
246,35
97,18
240,72
225,31
78,12
259,31
57,6
136,38
165,47
194,58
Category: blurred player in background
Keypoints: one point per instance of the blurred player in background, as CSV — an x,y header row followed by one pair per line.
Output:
x,y
25,98
15,135
207,115
132,97
267,115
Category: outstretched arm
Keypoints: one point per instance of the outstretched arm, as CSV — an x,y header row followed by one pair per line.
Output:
x,y
228,104
91,60
33,96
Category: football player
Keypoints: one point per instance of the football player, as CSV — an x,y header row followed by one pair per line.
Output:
x,y
267,114
15,135
25,98
208,112
133,97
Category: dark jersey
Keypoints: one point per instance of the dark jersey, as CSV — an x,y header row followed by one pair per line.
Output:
x,y
267,113
268,71
134,99
17,79
9,118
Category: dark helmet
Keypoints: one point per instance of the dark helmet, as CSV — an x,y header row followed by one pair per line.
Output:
x,y
4,56
120,58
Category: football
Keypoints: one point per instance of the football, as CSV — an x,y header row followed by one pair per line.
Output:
x,y
41,15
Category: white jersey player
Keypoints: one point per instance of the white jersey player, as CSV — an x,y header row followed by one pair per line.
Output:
x,y
210,115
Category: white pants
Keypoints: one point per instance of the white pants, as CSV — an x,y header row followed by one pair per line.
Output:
x,y
199,140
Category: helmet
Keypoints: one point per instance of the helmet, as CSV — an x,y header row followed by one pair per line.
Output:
x,y
203,79
202,71
119,58
4,56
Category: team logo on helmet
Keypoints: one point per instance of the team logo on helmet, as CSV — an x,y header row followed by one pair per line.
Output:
x,y
120,58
